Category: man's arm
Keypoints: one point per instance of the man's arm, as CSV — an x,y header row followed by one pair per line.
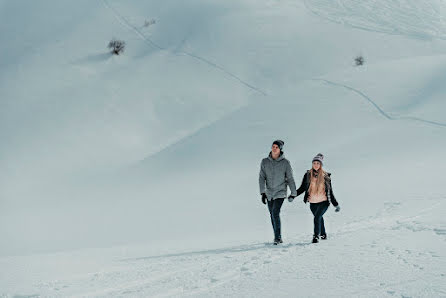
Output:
x,y
290,180
262,179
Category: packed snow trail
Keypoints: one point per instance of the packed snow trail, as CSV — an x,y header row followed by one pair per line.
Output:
x,y
391,236
122,20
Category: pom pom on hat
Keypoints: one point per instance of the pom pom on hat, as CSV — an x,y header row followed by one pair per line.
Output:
x,y
319,157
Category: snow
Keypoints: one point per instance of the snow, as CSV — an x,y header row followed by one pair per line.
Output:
x,y
418,19
137,175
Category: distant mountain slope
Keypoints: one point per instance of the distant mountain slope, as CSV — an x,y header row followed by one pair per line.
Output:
x,y
177,125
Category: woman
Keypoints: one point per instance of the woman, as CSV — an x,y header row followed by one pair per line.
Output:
x,y
318,191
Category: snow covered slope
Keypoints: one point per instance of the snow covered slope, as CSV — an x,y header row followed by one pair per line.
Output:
x,y
152,157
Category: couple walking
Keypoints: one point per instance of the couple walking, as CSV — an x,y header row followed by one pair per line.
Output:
x,y
276,174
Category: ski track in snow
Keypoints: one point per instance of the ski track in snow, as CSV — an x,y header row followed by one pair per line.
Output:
x,y
413,18
310,4
202,272
123,21
380,110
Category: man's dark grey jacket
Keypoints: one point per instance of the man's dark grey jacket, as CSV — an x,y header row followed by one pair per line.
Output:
x,y
275,175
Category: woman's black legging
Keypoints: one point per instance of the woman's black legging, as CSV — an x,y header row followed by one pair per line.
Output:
x,y
318,210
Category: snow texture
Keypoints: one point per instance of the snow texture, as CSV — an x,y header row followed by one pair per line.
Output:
x,y
137,175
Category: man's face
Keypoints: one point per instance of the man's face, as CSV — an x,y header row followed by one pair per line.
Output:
x,y
275,149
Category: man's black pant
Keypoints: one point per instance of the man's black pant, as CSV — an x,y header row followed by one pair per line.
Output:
x,y
274,210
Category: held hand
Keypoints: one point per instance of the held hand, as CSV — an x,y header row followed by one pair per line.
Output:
x,y
338,208
264,198
291,198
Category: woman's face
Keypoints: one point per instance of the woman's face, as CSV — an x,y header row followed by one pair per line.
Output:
x,y
316,165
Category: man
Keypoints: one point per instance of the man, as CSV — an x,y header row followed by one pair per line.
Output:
x,y
275,175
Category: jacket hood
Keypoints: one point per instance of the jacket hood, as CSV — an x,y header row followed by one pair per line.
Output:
x,y
281,156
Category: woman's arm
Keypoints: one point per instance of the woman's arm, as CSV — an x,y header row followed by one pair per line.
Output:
x,y
332,196
302,187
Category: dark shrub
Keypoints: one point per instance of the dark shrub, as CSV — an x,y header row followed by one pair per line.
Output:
x,y
116,46
359,60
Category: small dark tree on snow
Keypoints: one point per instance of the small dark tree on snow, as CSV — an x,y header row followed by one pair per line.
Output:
x,y
148,23
359,60
116,46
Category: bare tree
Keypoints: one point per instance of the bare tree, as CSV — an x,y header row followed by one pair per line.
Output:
x,y
116,46
150,22
359,60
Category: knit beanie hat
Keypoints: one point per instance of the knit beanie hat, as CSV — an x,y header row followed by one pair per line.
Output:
x,y
279,143
319,157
